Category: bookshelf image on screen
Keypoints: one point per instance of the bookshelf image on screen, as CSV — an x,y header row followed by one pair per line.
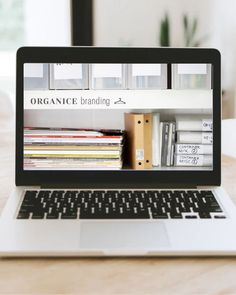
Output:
x,y
118,117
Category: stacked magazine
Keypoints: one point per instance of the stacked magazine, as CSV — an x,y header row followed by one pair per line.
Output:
x,y
72,149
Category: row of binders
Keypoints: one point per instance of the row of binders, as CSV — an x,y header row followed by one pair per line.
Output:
x,y
72,149
117,76
185,142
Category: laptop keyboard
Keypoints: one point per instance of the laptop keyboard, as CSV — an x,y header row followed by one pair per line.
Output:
x,y
119,204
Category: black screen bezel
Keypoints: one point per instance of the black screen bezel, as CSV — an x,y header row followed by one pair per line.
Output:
x,y
131,178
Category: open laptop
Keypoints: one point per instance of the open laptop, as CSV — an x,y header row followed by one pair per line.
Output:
x,y
118,152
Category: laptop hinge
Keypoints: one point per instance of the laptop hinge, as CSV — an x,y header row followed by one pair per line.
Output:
x,y
117,186
209,187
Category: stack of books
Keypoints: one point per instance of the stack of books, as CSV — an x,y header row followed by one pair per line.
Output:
x,y
68,149
194,141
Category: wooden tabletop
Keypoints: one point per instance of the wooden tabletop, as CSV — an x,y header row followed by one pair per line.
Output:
x,y
113,275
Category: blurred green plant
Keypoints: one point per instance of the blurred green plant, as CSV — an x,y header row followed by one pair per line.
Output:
x,y
164,36
190,27
190,30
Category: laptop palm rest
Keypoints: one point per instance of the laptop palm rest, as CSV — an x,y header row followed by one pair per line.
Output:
x,y
135,235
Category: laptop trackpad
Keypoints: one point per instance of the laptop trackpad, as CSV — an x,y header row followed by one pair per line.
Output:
x,y
136,235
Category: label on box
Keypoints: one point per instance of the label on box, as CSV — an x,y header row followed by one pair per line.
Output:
x,y
207,137
189,160
207,124
193,149
139,154
188,149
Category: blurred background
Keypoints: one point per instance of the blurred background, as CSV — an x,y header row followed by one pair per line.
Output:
x,y
202,23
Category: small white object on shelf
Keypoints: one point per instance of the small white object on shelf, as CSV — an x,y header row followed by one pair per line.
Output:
x,y
68,76
147,76
191,76
107,76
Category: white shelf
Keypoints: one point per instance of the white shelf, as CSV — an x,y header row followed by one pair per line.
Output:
x,y
106,99
173,168
123,169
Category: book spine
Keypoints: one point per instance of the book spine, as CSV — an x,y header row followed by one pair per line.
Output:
x,y
156,139
173,143
168,160
74,147
98,156
71,140
160,144
95,152
70,136
147,141
165,134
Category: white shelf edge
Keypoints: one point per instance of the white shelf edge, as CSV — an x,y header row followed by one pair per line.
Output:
x,y
106,99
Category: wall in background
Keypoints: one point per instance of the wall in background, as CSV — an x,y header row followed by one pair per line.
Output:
x,y
137,23
223,38
47,23
44,23
32,23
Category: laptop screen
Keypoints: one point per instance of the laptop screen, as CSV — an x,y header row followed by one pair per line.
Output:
x,y
118,116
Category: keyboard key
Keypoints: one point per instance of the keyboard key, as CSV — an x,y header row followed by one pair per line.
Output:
x,y
220,216
44,194
191,216
30,194
52,216
176,216
204,215
69,216
37,216
23,215
159,216
214,209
